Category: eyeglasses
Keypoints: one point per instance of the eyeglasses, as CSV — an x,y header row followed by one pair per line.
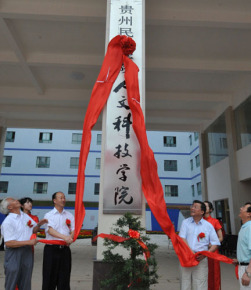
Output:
x,y
194,207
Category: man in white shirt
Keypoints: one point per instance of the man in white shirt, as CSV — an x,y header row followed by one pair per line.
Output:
x,y
244,248
200,236
57,258
17,229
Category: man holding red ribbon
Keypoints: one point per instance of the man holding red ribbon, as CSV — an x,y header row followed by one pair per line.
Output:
x,y
17,229
57,256
198,234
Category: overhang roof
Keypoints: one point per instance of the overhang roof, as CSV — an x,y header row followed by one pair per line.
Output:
x,y
198,61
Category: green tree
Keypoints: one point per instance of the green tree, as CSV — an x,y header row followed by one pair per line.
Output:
x,y
134,270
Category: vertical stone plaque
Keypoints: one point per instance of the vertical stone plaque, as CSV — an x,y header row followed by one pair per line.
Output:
x,y
122,181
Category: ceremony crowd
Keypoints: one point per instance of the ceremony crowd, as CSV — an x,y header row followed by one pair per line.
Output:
x,y
200,232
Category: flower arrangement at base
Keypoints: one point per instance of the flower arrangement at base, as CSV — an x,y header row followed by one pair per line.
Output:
x,y
139,269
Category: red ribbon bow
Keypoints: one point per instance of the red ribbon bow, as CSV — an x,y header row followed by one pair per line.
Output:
x,y
29,224
68,223
201,236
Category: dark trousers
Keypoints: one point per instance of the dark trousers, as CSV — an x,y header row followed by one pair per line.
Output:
x,y
18,265
56,267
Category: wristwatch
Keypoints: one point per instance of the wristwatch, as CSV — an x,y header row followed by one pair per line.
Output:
x,y
248,274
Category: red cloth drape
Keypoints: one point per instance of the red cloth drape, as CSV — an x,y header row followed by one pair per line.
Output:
x,y
151,184
214,274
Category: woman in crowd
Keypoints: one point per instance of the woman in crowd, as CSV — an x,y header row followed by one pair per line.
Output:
x,y
214,277
26,206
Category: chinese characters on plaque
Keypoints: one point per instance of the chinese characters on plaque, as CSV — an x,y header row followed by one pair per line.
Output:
x,y
122,180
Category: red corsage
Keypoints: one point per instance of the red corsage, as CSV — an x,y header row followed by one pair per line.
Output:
x,y
29,224
128,45
133,234
201,236
68,223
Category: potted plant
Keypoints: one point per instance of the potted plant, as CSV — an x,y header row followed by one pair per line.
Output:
x,y
139,269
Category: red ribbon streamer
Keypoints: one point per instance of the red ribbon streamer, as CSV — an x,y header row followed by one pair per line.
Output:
x,y
151,184
119,239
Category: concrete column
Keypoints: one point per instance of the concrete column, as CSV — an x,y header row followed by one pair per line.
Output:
x,y
235,185
2,143
203,166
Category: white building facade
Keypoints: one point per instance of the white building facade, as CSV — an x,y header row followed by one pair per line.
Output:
x,y
39,162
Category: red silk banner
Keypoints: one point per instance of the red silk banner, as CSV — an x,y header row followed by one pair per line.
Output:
x,y
119,239
151,184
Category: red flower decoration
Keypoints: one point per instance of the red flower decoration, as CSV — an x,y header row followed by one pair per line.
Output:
x,y
68,223
201,236
29,224
133,234
128,45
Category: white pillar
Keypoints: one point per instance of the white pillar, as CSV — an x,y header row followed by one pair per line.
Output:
x,y
124,18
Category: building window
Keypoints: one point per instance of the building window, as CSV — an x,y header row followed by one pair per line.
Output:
x,y
196,136
74,162
40,187
99,139
190,140
213,151
199,188
192,187
96,189
45,137
98,160
170,165
169,141
43,162
223,143
191,164
76,138
6,161
72,188
10,136
4,186
197,160
171,190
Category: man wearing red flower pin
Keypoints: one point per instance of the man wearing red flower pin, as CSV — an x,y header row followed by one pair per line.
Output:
x,y
57,258
17,229
198,234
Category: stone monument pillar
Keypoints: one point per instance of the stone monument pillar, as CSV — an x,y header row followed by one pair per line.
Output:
x,y
120,180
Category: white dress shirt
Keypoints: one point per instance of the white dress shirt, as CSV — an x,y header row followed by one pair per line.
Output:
x,y
16,227
57,221
190,231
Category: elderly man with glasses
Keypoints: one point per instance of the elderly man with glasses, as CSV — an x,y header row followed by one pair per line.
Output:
x,y
200,236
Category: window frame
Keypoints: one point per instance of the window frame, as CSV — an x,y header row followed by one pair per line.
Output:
x,y
4,186
98,163
45,164
173,192
96,186
5,161
12,139
71,186
44,187
171,167
167,141
74,165
99,139
78,138
45,140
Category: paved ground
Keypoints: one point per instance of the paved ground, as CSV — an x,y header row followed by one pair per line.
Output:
x,y
83,254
